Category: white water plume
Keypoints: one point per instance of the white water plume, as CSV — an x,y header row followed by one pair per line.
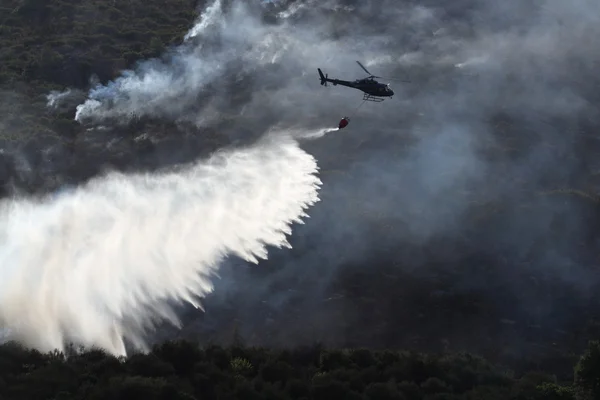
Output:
x,y
98,264
315,134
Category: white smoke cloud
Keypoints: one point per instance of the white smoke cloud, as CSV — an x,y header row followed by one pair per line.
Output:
x,y
210,17
171,87
167,87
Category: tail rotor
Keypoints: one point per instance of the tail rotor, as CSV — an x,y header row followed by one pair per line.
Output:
x,y
323,77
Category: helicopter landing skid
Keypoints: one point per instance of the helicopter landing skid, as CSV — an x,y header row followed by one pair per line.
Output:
x,y
375,99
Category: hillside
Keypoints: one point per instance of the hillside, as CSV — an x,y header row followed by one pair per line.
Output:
x,y
400,253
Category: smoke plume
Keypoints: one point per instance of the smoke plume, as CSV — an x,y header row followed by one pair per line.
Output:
x,y
459,190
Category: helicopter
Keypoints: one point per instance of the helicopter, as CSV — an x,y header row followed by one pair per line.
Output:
x,y
373,91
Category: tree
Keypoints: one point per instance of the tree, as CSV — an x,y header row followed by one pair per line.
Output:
x,y
587,371
552,391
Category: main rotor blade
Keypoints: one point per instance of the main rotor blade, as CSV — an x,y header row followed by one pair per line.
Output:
x,y
381,77
393,79
363,67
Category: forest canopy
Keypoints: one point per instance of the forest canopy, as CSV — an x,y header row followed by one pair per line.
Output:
x,y
183,370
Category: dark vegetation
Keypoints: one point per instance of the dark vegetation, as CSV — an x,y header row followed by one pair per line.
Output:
x,y
179,370
51,45
57,44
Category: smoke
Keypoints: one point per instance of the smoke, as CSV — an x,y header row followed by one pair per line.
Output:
x,y
444,180
440,188
66,100
99,264
230,65
166,87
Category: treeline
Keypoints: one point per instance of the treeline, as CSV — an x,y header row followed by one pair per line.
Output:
x,y
185,371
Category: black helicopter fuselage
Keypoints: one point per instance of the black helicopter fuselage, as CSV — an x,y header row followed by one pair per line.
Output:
x,y
367,85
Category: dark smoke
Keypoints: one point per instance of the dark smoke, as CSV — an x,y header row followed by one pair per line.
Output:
x,y
460,213
442,221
